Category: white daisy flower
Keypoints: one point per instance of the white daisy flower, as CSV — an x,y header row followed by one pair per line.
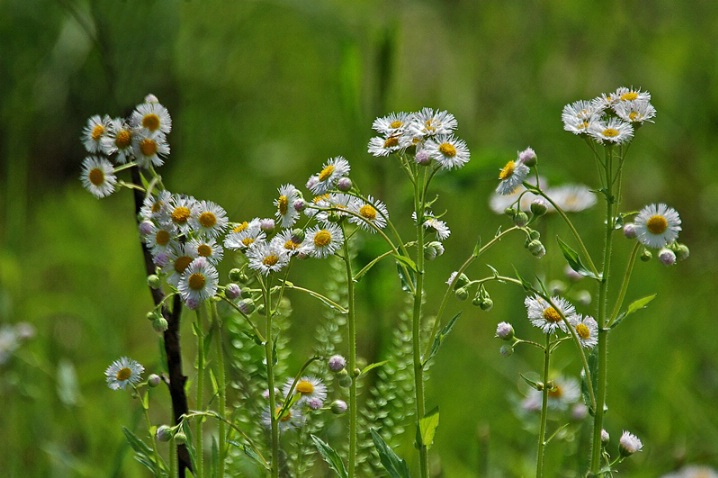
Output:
x,y
563,393
371,212
292,418
547,318
657,225
629,444
118,139
448,151
499,202
266,257
512,175
605,101
636,111
198,282
93,133
615,131
286,214
428,122
630,94
292,244
157,208
577,117
309,388
179,257
384,146
98,176
433,224
324,240
393,124
150,148
152,117
160,238
327,178
207,248
123,372
180,211
208,219
587,330
572,197
244,235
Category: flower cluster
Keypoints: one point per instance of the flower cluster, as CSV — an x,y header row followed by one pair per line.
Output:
x,y
611,118
559,314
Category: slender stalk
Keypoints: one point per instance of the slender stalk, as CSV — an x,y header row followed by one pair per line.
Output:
x,y
544,408
602,318
199,446
144,400
221,385
352,360
624,284
173,458
269,355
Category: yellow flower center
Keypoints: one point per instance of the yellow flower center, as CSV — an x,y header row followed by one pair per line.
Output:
x,y
657,224
633,115
284,418
429,124
148,147
326,172
96,176
367,211
630,96
156,206
247,241
197,281
391,142
270,260
396,124
97,131
551,315
207,219
291,245
507,171
610,132
305,387
182,263
180,215
241,227
322,238
447,149
555,392
124,373
204,250
162,237
123,139
283,204
151,121
583,331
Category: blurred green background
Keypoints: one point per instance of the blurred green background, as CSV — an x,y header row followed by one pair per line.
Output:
x,y
261,93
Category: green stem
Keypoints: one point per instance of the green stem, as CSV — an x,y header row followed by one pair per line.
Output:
x,y
269,355
221,385
199,447
624,285
153,437
352,360
544,409
173,458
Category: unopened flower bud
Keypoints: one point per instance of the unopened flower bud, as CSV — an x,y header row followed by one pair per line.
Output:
x,y
571,274
459,281
344,184
682,251
605,437
191,303
536,248
315,403
629,444
505,331
528,157
160,324
299,205
339,407
345,381
235,274
433,250
150,98
646,255
232,291
506,350
557,287
337,363
267,225
261,310
180,438
486,304
312,181
521,219
667,257
146,227
298,236
164,433
509,211
246,306
461,293
539,207
584,297
422,157
629,230
154,282
151,316
153,380
534,235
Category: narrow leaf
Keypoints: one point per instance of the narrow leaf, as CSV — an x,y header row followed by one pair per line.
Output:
x,y
140,447
395,466
574,260
406,261
408,281
633,307
440,337
427,427
331,457
373,366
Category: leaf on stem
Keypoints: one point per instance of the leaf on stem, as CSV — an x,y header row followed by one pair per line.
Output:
x,y
330,456
427,427
440,338
633,307
395,466
143,452
574,260
406,275
251,453
373,366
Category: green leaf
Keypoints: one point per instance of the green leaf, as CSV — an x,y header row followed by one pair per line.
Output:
x,y
395,466
633,307
528,287
251,453
331,457
593,368
407,278
440,337
373,366
406,261
477,248
427,427
136,443
532,383
574,260
493,270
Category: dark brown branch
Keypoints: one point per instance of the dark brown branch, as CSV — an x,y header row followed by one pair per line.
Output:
x,y
177,379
